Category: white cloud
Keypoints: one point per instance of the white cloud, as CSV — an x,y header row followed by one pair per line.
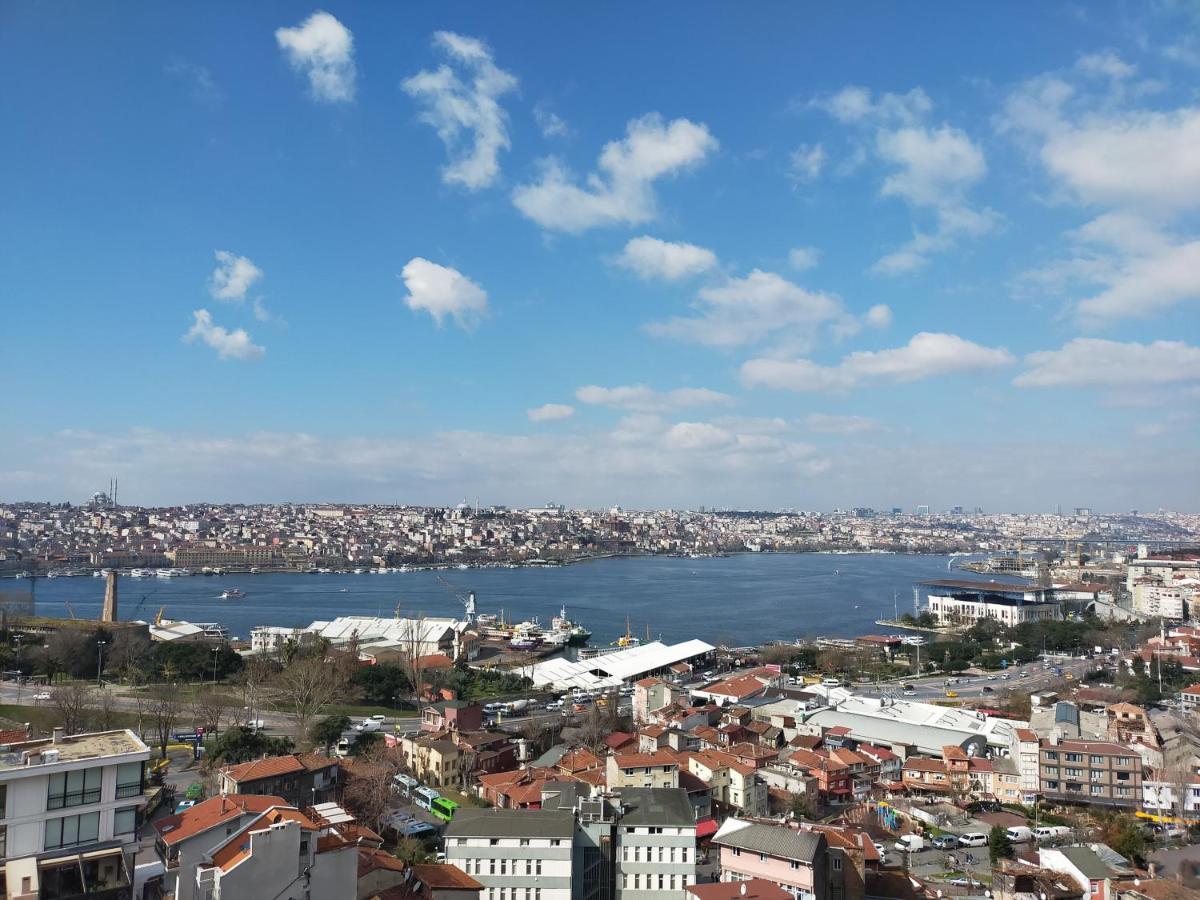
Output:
x,y
322,48
551,124
934,165
1093,362
1106,64
806,161
651,258
746,310
442,291
202,85
622,190
831,424
879,316
697,436
233,276
854,104
228,344
641,398
550,412
801,258
925,356
464,107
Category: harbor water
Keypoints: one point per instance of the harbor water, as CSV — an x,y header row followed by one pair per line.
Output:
x,y
738,600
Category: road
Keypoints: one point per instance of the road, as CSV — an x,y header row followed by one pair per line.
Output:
x,y
1039,676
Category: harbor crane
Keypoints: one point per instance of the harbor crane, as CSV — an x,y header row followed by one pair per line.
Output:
x,y
467,599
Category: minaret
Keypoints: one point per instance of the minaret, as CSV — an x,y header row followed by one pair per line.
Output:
x,y
110,598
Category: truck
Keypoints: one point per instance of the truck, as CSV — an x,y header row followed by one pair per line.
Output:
x,y
1020,834
515,706
910,843
1051,832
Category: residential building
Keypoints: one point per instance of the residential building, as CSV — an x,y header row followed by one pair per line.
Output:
x,y
753,889
452,715
71,812
1093,772
1029,767
794,860
731,783
1161,798
515,854
649,770
301,779
1093,868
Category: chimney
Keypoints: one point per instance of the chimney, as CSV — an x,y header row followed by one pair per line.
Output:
x,y
57,735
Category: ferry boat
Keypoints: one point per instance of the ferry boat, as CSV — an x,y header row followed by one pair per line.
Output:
x,y
172,573
576,634
141,573
232,594
627,639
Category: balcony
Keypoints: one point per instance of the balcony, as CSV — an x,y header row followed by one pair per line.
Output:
x,y
99,875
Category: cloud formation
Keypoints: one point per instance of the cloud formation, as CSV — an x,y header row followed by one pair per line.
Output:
x,y
832,424
464,107
641,398
649,257
621,190
233,277
322,49
801,258
234,344
1093,362
442,291
925,356
550,412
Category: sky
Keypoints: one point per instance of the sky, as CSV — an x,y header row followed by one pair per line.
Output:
x,y
761,256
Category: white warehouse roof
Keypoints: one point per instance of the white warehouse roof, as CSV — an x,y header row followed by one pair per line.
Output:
x,y
612,669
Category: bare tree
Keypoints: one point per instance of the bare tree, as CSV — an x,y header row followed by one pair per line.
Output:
x,y
210,708
305,688
163,705
368,791
593,728
74,704
106,708
414,659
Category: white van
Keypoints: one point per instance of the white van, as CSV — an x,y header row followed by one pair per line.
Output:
x,y
973,839
910,843
403,784
831,682
1019,834
1050,832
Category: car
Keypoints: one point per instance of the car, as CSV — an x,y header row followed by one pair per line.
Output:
x,y
371,723
1024,674
880,847
44,695
554,704
185,805
987,689
1005,677
992,677
951,693
973,839
945,842
909,692
831,682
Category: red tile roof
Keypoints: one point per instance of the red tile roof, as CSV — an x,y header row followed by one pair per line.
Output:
x,y
657,758
445,875
210,813
264,768
753,889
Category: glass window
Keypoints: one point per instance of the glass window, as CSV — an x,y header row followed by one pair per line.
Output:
x,y
73,788
129,780
1097,760
71,830
125,820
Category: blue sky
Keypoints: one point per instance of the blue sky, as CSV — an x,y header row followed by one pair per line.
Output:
x,y
778,256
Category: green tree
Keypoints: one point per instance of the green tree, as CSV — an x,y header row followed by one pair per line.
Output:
x,y
380,684
999,845
365,742
242,744
329,731
1124,836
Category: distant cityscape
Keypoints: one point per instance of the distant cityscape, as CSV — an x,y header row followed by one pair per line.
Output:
x,y
44,538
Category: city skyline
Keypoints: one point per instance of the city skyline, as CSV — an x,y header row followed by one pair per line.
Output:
x,y
745,258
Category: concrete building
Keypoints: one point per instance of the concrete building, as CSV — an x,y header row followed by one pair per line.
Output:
x,y
302,780
963,603
793,860
418,637
1154,599
647,770
516,854
71,813
620,667
1097,773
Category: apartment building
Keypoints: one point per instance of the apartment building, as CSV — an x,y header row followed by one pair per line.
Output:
x,y
302,780
793,860
70,810
733,784
1092,772
516,854
253,847
648,770
632,844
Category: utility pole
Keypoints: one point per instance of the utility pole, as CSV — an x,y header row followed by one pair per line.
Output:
x,y
100,662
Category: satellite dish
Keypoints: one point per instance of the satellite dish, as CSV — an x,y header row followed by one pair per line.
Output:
x,y
742,889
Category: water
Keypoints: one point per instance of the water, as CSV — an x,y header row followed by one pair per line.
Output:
x,y
739,600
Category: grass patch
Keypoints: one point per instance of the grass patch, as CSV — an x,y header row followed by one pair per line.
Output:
x,y
44,717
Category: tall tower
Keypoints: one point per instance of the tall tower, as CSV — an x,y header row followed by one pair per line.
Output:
x,y
110,598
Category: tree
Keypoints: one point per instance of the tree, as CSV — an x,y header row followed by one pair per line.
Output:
x,y
381,683
106,708
74,704
1123,835
364,743
209,709
411,851
999,844
368,792
130,655
305,688
242,744
163,705
329,731
801,807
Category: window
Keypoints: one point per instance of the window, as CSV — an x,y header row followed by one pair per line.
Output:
x,y
1073,773
1074,757
1124,761
129,780
1052,754
304,847
73,788
660,881
1052,785
1097,789
537,866
837,863
762,857
1097,760
491,866
71,830
3,803
1097,775
795,863
737,851
637,881
1051,771
524,842
3,841
125,821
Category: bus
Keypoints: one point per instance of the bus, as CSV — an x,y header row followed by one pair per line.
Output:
x,y
443,808
424,797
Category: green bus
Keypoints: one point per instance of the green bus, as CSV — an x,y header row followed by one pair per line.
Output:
x,y
443,808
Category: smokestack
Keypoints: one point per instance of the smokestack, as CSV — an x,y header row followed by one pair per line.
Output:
x,y
110,597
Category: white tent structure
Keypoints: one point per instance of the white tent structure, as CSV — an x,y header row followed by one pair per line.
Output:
x,y
617,668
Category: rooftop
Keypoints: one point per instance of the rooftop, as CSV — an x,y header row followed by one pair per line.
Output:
x,y
753,889
773,840
656,806
512,823
212,812
75,748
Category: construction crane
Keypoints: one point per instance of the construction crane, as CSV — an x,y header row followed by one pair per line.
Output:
x,y
467,599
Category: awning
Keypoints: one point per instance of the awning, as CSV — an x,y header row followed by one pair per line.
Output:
x,y
706,828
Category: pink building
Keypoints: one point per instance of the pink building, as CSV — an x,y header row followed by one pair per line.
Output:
x,y
793,860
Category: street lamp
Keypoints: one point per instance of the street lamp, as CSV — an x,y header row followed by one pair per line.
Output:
x,y
216,652
100,660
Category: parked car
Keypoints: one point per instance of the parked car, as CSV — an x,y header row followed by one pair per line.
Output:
x,y
1020,834
1051,832
44,695
973,839
988,689
945,842
554,704
951,694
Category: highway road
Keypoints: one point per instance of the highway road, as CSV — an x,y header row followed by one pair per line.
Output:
x,y
1027,679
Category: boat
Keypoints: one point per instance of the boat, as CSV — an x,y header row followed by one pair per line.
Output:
x,y
575,633
524,643
627,639
141,573
232,594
